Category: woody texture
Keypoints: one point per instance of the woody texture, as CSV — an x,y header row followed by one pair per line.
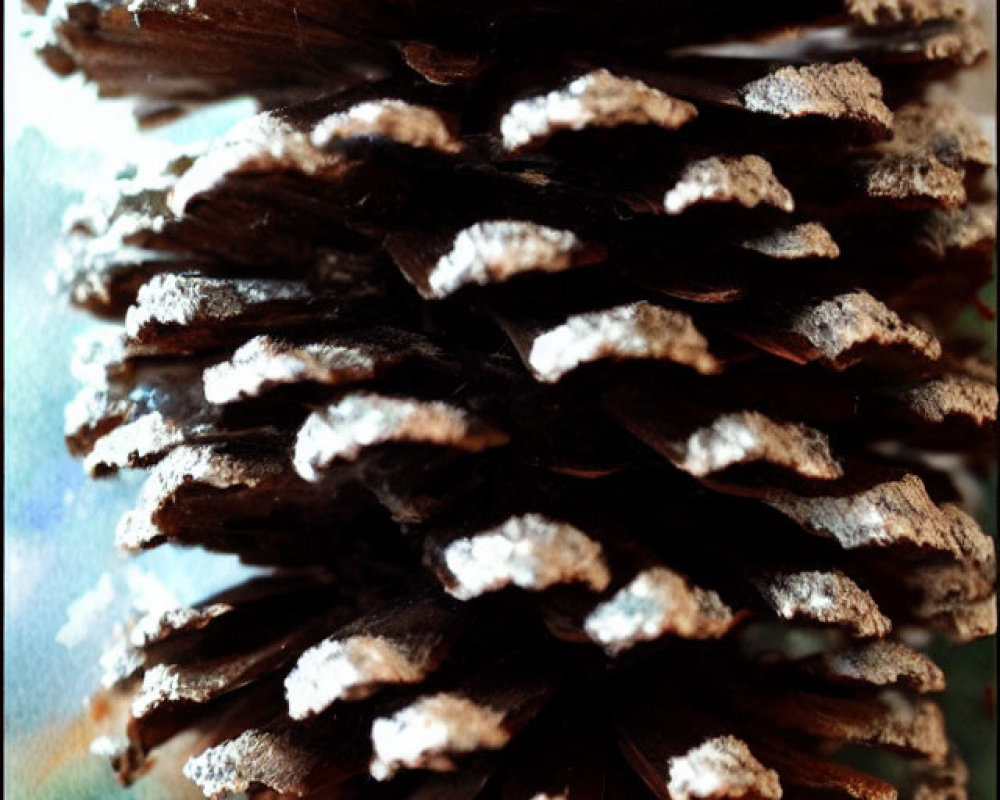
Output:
x,y
567,365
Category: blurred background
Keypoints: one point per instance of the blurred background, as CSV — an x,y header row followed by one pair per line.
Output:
x,y
63,581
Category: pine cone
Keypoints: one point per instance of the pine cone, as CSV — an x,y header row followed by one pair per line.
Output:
x,y
632,323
